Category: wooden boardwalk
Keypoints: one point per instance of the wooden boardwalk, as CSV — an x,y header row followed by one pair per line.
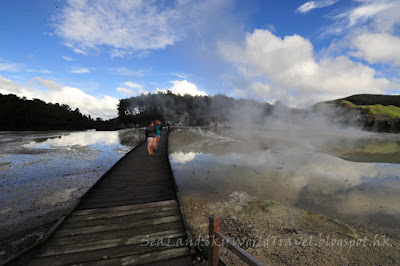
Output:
x,y
130,217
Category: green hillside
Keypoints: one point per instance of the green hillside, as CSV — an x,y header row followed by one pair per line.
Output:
x,y
372,112
389,111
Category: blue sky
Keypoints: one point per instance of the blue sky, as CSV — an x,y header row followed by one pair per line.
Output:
x,y
90,54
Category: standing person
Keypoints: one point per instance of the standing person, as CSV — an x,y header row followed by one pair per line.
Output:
x,y
151,137
158,134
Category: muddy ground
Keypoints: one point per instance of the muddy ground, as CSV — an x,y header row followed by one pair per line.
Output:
x,y
276,234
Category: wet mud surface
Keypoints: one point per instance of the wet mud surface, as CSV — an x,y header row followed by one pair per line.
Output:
x,y
43,174
277,234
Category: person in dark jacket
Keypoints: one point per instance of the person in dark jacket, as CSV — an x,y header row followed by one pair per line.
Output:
x,y
151,138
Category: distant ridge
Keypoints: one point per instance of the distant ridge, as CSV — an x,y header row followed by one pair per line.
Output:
x,y
372,99
373,112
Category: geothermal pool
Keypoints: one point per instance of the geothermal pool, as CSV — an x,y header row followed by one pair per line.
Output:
x,y
351,176
43,173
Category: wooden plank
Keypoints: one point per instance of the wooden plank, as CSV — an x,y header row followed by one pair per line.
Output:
x,y
141,165
134,181
121,213
138,193
111,227
129,177
119,219
123,203
129,186
127,196
147,258
108,243
137,189
180,261
114,201
138,176
64,240
144,164
140,190
126,207
123,173
110,197
109,253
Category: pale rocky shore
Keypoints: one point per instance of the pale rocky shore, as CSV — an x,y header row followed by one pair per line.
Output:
x,y
276,234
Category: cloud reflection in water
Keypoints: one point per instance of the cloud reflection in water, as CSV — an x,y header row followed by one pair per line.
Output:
x,y
300,175
42,173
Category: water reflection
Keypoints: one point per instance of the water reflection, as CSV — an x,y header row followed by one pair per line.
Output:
x,y
384,148
307,172
76,139
43,172
180,157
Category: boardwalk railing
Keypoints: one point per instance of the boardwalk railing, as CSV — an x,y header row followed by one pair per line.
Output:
x,y
216,239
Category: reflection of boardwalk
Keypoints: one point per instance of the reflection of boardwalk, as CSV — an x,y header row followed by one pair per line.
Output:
x,y
134,203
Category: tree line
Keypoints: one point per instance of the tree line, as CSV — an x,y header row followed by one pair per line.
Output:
x,y
372,99
22,114
190,110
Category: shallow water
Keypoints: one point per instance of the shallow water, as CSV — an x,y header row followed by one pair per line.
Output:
x,y
43,173
352,176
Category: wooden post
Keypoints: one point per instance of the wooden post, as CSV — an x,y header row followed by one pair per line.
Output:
x,y
213,247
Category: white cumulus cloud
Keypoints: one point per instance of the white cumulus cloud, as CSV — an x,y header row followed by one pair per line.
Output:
x,y
137,88
180,157
369,29
378,48
127,27
9,87
292,73
182,87
48,83
369,10
375,36
104,107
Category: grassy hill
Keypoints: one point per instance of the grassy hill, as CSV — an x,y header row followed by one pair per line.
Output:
x,y
389,111
372,112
